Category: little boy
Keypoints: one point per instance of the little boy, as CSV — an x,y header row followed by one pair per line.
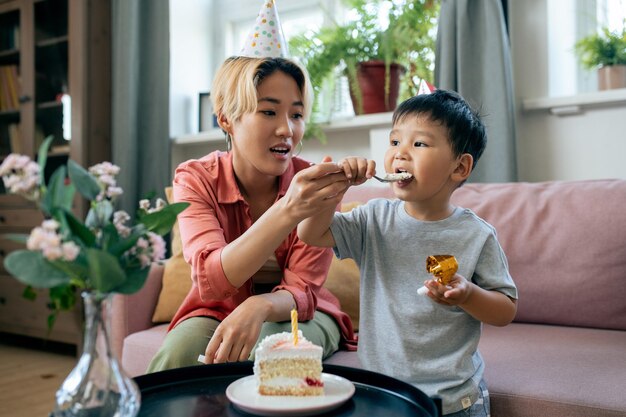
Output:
x,y
430,342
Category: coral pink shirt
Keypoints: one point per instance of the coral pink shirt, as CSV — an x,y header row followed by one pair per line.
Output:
x,y
218,214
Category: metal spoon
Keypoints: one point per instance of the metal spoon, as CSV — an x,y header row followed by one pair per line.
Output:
x,y
394,177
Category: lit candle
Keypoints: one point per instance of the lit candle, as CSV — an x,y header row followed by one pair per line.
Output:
x,y
294,325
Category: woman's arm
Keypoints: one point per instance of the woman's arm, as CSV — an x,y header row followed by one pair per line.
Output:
x,y
318,188
315,230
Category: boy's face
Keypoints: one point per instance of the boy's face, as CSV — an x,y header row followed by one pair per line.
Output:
x,y
419,146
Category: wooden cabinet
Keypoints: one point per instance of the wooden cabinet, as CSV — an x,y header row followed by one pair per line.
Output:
x,y
55,79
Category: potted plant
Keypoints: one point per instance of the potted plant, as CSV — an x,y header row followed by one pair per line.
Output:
x,y
399,51
605,51
103,254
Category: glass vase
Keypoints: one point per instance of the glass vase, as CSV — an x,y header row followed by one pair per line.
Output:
x,y
97,386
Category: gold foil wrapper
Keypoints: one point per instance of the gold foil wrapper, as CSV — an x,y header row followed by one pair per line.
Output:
x,y
443,267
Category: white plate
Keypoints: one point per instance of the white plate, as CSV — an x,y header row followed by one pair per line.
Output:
x,y
244,394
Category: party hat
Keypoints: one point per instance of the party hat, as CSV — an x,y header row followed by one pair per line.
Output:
x,y
425,87
266,38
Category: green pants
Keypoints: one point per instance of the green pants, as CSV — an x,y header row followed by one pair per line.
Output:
x,y
185,342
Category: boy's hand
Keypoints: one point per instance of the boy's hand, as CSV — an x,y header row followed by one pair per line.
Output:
x,y
356,169
455,293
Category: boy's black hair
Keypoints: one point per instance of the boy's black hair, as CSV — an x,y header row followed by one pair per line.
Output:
x,y
466,132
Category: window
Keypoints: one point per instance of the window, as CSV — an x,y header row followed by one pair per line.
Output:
x,y
569,21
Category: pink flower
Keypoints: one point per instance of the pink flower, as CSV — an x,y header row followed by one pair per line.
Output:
x,y
46,239
105,173
148,249
21,176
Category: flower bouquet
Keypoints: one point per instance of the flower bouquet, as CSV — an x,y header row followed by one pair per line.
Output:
x,y
98,256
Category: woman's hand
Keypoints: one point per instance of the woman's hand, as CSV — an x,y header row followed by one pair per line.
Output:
x,y
317,188
237,334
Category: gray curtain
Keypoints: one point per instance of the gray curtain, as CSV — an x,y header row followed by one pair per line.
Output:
x,y
140,98
473,58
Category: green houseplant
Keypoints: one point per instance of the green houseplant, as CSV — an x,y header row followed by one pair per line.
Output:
x,y
100,255
407,39
606,52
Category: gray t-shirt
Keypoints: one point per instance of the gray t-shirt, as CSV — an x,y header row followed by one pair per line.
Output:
x,y
406,335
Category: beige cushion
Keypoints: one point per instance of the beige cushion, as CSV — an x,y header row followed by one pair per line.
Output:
x,y
176,278
342,281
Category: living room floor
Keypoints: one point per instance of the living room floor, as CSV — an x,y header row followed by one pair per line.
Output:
x,y
31,371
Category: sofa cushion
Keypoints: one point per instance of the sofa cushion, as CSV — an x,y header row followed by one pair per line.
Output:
x,y
343,279
549,371
176,277
566,247
540,370
140,348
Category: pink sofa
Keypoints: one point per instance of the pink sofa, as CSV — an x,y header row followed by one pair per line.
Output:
x,y
565,353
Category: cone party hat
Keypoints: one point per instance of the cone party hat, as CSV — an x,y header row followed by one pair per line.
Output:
x,y
266,38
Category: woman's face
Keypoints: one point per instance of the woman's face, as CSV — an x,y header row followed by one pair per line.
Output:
x,y
263,142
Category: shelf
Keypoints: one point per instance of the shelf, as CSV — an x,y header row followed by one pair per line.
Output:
x,y
49,105
364,122
569,105
10,114
10,53
52,41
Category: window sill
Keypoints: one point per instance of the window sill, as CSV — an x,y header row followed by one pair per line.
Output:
x,y
565,106
364,122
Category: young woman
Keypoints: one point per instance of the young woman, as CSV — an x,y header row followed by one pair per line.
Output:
x,y
249,269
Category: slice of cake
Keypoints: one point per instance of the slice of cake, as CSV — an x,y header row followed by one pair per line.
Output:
x,y
284,368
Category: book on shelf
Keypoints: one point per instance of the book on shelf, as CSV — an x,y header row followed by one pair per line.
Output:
x,y
60,149
9,88
15,138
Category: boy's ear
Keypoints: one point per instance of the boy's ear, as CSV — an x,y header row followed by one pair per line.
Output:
x,y
463,168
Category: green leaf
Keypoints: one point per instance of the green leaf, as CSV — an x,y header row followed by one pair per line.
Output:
x,y
85,183
63,297
16,237
135,279
31,268
161,222
29,293
73,270
79,230
59,195
105,272
122,245
99,214
42,154
52,318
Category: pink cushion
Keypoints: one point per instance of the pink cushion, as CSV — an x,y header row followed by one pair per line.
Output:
x,y
140,348
566,246
554,371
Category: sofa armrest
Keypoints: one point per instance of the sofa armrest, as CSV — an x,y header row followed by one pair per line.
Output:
x,y
133,313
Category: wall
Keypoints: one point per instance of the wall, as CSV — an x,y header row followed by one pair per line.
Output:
x,y
587,145
189,33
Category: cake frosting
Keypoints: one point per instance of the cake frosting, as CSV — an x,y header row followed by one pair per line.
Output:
x,y
284,368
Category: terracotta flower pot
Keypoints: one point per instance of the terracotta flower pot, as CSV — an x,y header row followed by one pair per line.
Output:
x,y
612,76
371,80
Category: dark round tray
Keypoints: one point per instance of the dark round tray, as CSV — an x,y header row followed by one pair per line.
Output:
x,y
200,391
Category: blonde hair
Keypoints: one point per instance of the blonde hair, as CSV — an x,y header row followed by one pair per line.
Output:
x,y
234,90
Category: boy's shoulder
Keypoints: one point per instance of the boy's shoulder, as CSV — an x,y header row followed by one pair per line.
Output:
x,y
470,216
377,205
